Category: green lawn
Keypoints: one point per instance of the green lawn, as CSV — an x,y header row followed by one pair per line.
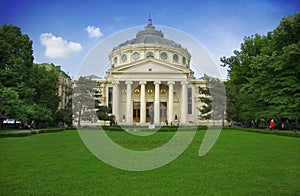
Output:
x,y
241,163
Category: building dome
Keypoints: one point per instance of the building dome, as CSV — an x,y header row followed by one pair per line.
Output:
x,y
149,43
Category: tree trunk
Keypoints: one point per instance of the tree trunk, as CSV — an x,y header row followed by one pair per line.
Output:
x,y
79,117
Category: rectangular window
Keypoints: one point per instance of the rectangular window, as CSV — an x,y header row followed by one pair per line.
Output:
x,y
190,103
110,98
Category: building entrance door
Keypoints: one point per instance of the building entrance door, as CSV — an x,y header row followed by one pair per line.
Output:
x,y
149,107
136,111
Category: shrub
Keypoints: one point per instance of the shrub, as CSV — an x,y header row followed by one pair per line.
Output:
x,y
22,133
146,129
15,134
281,133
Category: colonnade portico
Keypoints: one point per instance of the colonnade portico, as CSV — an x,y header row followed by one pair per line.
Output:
x,y
128,106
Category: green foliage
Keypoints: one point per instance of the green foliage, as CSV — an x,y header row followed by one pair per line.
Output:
x,y
23,133
45,84
103,113
280,133
146,129
264,77
213,97
15,56
11,103
28,91
64,116
205,109
15,64
15,134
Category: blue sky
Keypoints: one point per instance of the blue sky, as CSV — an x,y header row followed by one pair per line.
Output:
x,y
63,32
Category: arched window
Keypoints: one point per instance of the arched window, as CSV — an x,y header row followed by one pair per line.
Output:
x,y
116,60
183,60
163,56
124,57
175,58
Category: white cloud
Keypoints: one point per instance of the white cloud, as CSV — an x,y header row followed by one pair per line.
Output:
x,y
94,32
57,47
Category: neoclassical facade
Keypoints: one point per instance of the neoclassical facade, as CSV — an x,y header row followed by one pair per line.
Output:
x,y
150,81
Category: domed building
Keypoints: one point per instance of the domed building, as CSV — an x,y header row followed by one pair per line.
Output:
x,y
150,81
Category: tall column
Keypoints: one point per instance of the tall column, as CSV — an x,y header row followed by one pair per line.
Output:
x,y
184,102
116,100
171,101
128,103
156,103
143,103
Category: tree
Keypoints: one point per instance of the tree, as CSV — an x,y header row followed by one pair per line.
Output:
x,y
44,82
84,100
28,92
103,113
16,57
264,74
63,116
16,61
12,105
213,97
205,99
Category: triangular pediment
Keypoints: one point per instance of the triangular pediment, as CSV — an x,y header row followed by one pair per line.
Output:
x,y
150,66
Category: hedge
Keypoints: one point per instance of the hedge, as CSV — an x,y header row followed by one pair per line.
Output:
x,y
22,133
146,128
273,132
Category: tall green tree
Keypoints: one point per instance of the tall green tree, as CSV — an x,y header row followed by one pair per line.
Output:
x,y
263,75
206,107
44,82
28,92
84,100
65,115
16,57
16,61
213,99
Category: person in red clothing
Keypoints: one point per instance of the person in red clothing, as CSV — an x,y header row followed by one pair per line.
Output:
x,y
272,124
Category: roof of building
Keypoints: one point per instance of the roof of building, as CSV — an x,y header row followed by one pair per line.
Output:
x,y
56,69
150,36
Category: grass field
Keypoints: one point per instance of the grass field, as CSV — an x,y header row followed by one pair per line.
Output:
x,y
240,163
